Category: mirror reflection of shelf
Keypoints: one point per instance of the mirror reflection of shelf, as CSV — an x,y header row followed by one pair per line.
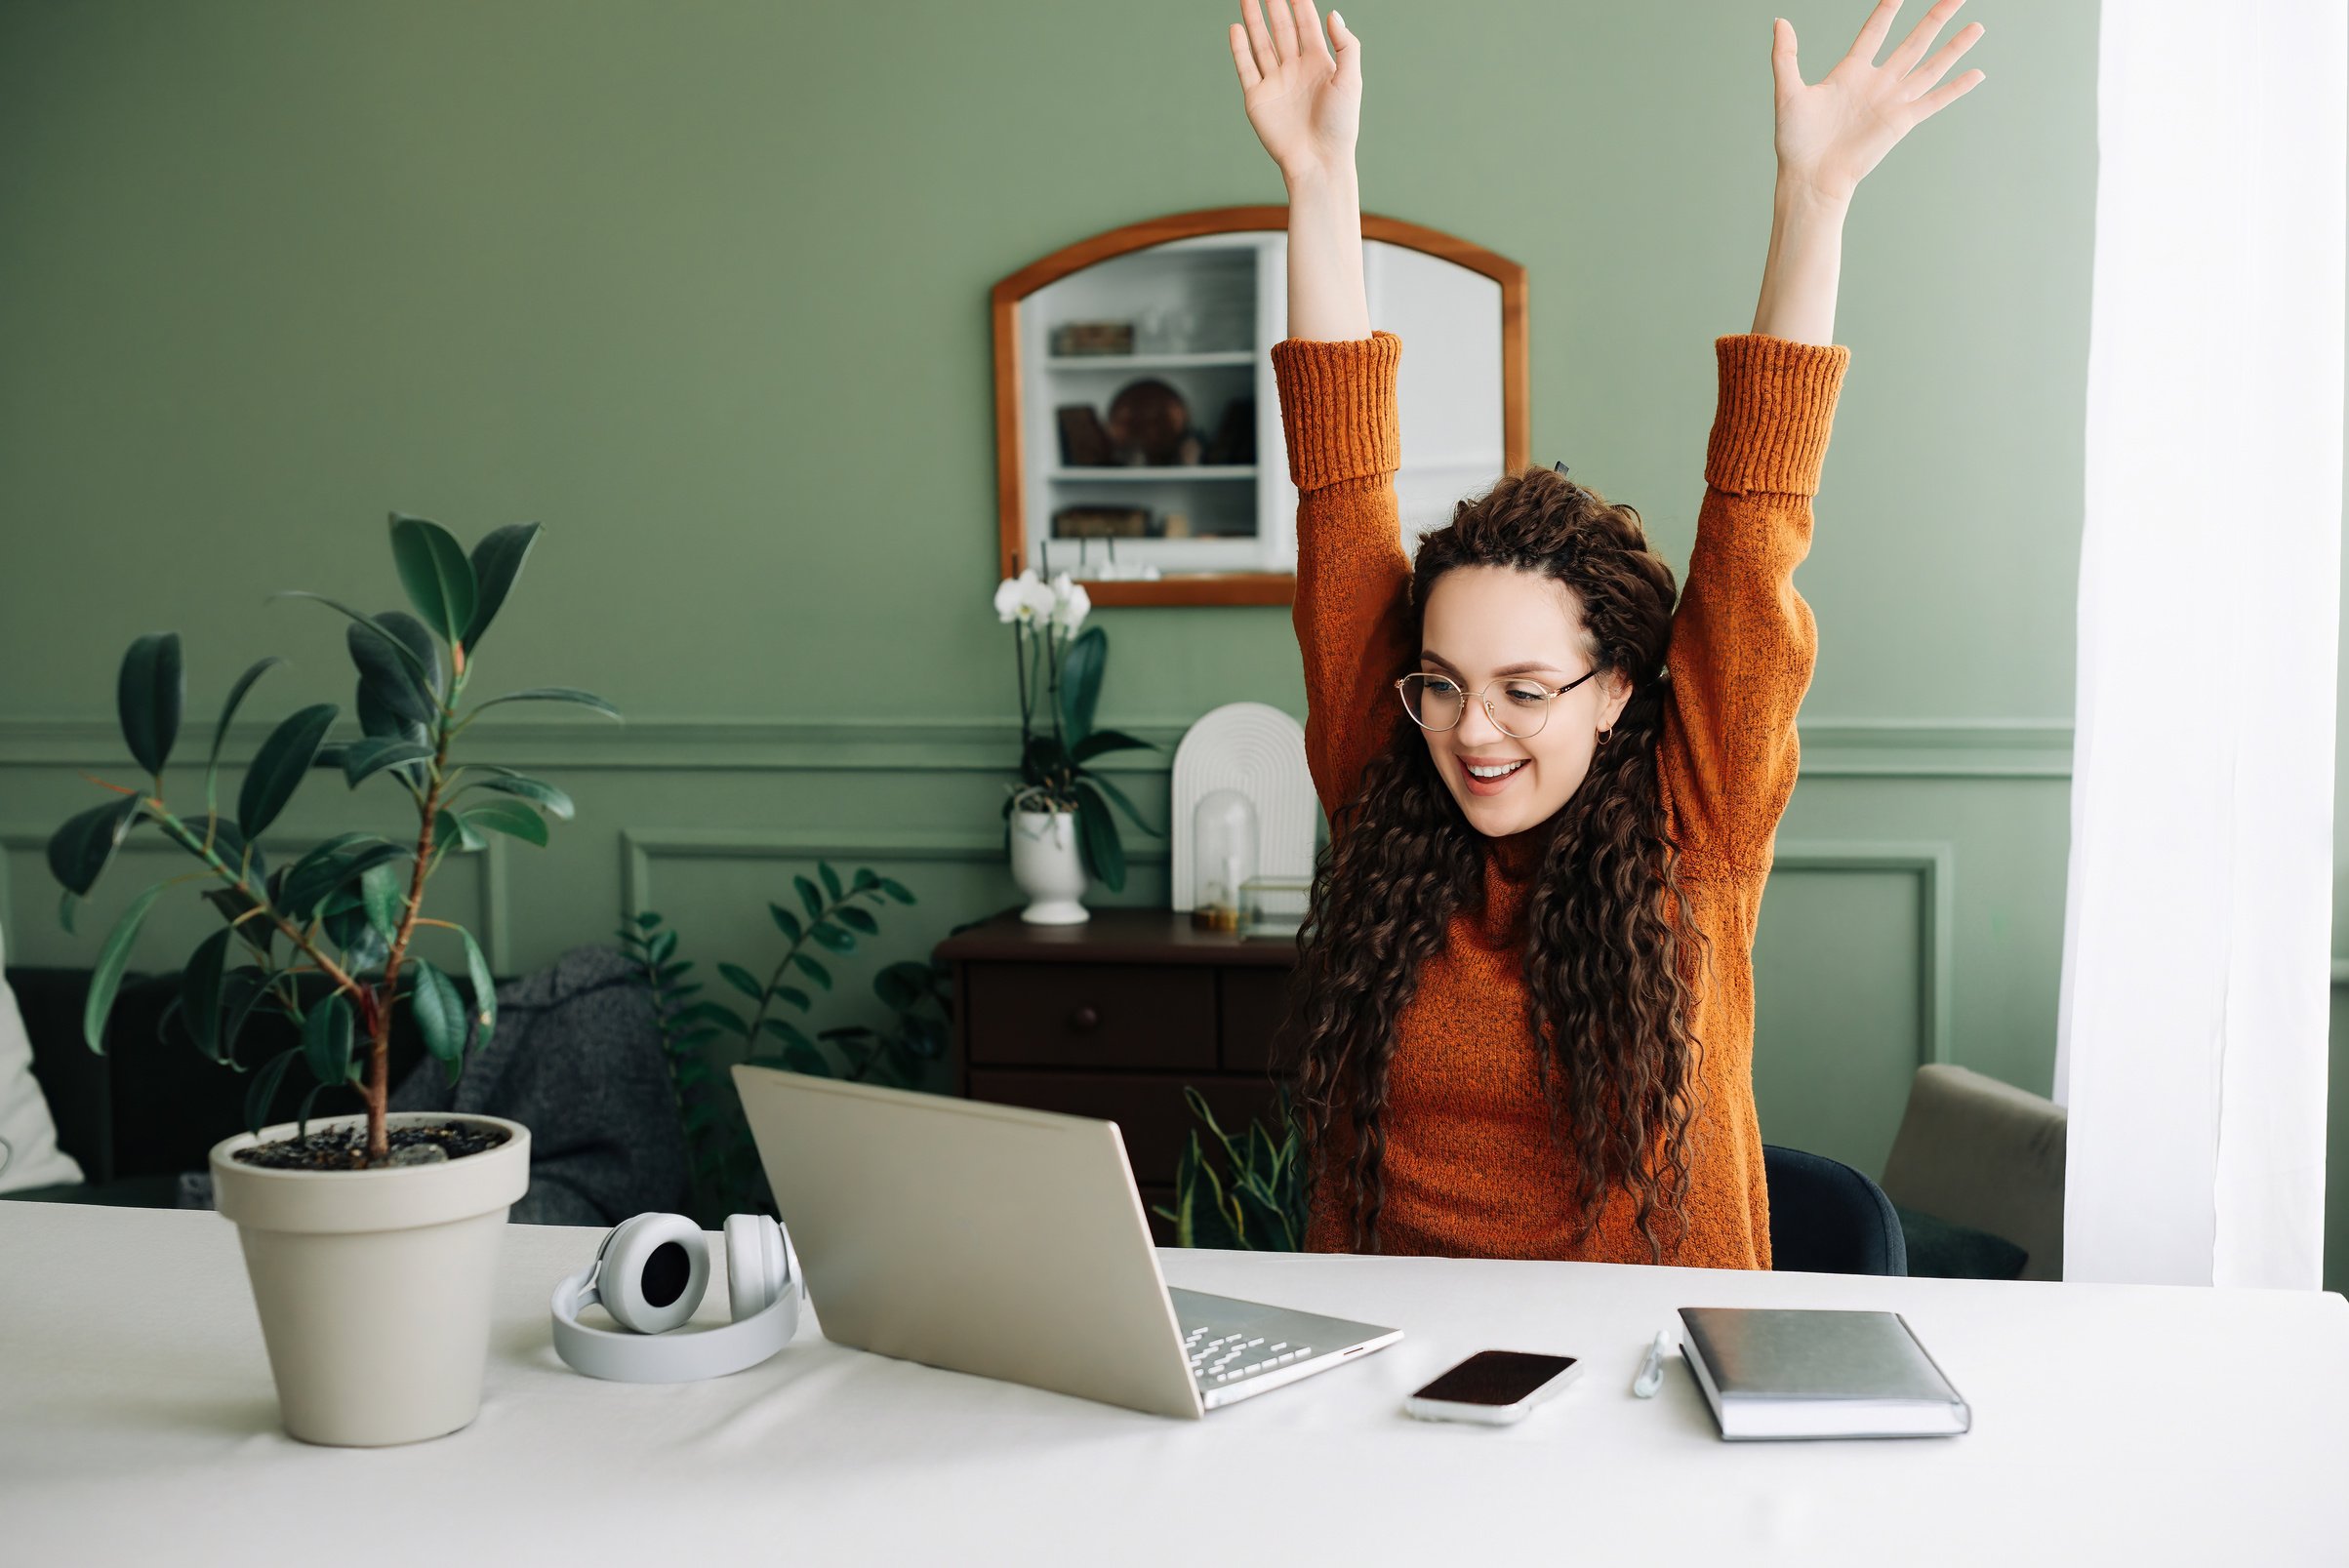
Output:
x,y
1236,357
1136,471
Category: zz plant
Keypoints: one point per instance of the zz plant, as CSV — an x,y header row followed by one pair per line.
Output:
x,y
325,938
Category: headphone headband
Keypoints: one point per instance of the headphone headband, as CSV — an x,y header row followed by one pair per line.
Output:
x,y
671,1357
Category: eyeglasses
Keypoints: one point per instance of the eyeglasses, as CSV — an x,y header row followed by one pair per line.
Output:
x,y
1435,704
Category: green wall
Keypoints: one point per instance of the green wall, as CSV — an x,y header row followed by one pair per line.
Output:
x,y
701,287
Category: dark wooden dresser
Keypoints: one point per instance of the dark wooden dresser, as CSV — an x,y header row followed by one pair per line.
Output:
x,y
1113,1018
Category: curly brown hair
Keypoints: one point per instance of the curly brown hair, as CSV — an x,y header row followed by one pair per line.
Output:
x,y
1611,958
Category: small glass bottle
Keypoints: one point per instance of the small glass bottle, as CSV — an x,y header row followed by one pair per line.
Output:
x,y
1222,856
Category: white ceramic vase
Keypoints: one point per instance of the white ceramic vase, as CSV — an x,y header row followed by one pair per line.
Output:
x,y
1046,864
374,1286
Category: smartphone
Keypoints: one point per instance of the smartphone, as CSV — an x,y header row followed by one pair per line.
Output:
x,y
1493,1387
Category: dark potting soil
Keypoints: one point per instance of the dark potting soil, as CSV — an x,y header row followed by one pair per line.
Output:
x,y
344,1149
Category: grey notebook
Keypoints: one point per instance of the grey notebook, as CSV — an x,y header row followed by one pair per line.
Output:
x,y
1772,1372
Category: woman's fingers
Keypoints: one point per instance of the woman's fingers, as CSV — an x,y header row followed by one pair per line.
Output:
x,y
1260,42
1309,25
1784,70
1872,33
1941,97
1932,71
1284,29
1244,57
1349,48
1921,37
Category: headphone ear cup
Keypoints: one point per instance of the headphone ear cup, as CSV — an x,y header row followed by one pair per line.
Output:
x,y
757,1272
655,1268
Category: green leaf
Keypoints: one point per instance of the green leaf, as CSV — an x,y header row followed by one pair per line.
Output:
x,y
105,977
497,561
833,937
434,571
485,990
450,829
831,880
658,952
67,904
506,782
200,984
812,970
388,677
263,1090
319,873
787,1032
742,980
326,1037
806,1059
863,878
422,673
148,695
279,766
78,851
715,1013
896,890
785,921
362,759
1081,672
384,894
795,997
902,985
1101,742
439,1012
1118,795
554,694
1097,837
510,817
242,990
810,896
856,919
219,730
648,920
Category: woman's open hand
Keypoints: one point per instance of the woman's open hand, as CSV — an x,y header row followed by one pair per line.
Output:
x,y
1832,133
1304,102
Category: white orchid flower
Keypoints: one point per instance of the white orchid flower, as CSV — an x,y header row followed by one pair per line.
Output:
x,y
1075,605
1007,600
1035,599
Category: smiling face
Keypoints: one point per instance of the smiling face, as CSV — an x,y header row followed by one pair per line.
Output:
x,y
1514,634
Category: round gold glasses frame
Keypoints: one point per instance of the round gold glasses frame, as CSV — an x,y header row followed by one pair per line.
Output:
x,y
1414,692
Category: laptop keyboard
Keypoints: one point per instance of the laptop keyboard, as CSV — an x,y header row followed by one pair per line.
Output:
x,y
1219,1356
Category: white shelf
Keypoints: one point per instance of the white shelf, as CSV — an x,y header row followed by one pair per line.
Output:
x,y
1077,362
1149,472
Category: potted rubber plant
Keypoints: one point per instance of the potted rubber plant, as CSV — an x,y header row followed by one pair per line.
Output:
x,y
1058,818
371,1238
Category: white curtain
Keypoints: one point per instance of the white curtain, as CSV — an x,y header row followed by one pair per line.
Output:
x,y
2197,930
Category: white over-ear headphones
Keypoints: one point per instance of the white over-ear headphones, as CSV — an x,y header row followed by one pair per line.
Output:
x,y
650,1273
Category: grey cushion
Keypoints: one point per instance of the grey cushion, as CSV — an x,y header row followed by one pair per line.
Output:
x,y
1940,1250
1986,1155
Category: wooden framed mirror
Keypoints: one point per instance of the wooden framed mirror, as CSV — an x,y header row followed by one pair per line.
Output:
x,y
1138,441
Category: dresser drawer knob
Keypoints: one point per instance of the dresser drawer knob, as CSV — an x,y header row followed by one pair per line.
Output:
x,y
1083,1020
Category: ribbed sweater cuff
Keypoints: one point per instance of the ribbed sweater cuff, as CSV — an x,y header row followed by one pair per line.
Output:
x,y
1777,406
1337,407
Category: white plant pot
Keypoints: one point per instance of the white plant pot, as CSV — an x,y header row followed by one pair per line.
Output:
x,y
1047,866
374,1286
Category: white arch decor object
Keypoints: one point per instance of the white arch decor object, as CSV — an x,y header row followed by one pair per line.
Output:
x,y
1259,750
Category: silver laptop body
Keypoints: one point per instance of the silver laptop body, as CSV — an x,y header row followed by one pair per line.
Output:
x,y
1008,1243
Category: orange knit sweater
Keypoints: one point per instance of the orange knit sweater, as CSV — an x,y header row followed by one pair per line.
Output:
x,y
1471,1169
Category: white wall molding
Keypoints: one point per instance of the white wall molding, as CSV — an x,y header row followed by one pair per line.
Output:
x,y
1934,866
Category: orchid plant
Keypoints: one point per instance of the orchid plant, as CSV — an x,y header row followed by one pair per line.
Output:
x,y
1060,669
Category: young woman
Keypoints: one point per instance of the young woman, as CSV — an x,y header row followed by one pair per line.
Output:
x,y
1525,991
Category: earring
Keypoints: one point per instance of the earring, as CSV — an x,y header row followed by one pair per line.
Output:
x,y
1604,736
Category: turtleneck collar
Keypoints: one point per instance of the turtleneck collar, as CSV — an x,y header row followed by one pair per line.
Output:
x,y
1519,855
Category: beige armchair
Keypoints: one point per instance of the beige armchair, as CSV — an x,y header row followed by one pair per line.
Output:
x,y
1983,1154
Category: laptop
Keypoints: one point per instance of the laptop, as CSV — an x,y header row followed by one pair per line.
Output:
x,y
1009,1243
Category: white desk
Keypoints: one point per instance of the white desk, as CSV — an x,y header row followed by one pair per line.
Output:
x,y
2112,1424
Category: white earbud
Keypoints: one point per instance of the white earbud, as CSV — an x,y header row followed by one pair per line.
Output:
x,y
651,1273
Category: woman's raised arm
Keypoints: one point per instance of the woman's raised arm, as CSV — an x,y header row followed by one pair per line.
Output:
x,y
1304,103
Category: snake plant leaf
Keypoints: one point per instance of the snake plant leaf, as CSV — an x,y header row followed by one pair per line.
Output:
x,y
200,990
555,694
263,1090
439,1012
78,851
1097,837
1081,672
105,977
509,816
149,694
437,573
485,990
279,765
326,1037
546,796
391,678
497,561
220,732
364,759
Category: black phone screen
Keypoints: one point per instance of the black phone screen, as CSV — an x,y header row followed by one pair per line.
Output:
x,y
1495,1378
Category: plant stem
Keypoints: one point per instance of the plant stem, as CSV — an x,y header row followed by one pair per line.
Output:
x,y
378,1092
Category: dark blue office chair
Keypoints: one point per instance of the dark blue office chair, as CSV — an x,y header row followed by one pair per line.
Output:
x,y
1828,1219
